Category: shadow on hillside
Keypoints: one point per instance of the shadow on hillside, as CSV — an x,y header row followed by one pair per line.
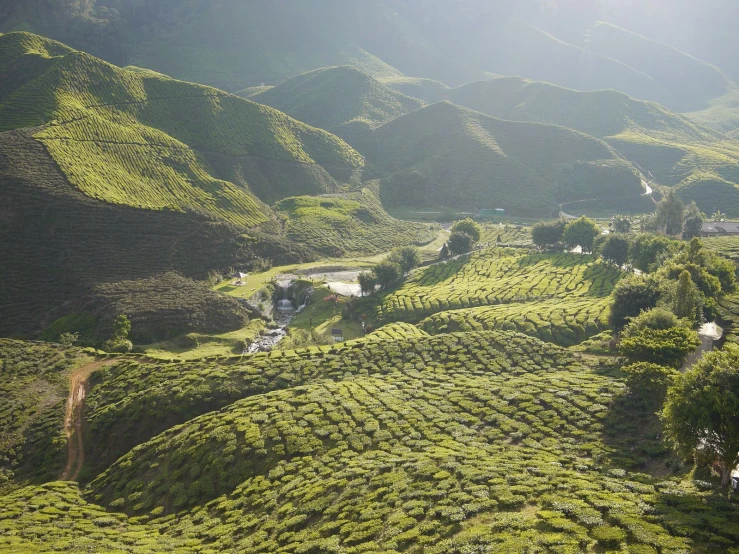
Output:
x,y
632,432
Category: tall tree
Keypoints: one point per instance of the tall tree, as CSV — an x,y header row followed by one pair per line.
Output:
x,y
701,413
669,214
548,233
694,219
581,232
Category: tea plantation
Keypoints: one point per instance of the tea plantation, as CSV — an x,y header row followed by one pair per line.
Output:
x,y
499,276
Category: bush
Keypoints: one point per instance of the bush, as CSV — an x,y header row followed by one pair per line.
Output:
x,y
460,243
668,347
407,257
655,319
581,232
119,346
615,249
609,537
649,381
647,250
387,274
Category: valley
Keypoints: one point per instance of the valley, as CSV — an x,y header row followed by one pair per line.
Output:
x,y
343,277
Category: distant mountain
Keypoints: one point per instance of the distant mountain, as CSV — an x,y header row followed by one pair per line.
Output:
x,y
673,148
446,155
342,100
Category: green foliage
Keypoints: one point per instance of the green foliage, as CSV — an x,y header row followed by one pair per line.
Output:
x,y
687,302
548,233
408,258
649,381
387,274
700,412
615,249
648,250
655,319
621,224
631,297
468,226
693,221
367,282
581,232
669,214
667,347
460,243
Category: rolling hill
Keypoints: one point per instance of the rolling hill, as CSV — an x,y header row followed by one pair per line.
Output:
x,y
445,155
341,100
673,148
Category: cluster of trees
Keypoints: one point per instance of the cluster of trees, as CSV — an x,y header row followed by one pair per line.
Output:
x,y
464,235
561,234
390,271
673,218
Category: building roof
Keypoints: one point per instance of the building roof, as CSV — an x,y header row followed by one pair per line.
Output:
x,y
721,228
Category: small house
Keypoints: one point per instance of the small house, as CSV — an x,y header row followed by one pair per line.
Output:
x,y
720,229
337,335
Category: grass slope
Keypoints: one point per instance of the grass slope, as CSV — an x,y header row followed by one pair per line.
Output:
x,y
449,156
349,224
341,100
145,139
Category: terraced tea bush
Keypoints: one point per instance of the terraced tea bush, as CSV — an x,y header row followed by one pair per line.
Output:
x,y
134,402
135,138
497,276
55,518
33,389
505,235
442,452
561,321
349,224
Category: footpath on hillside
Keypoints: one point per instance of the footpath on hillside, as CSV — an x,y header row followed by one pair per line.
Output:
x,y
74,418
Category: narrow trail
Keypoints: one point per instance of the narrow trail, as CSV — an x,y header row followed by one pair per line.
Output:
x,y
74,418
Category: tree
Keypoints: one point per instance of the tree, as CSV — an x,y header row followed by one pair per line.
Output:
x,y
655,319
669,214
647,250
581,232
407,257
693,221
700,415
459,243
649,381
468,226
631,297
615,249
667,347
718,216
118,341
548,233
444,252
621,224
387,274
687,300
367,283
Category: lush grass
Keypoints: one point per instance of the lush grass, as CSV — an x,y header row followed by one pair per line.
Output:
x,y
143,136
350,224
497,276
34,388
445,155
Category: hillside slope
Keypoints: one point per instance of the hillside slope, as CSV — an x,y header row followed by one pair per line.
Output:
x,y
445,155
341,100
672,148
153,142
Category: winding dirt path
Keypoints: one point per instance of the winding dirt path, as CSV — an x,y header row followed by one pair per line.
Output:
x,y
74,418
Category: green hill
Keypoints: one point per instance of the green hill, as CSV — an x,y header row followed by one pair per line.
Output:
x,y
126,173
675,149
445,155
341,100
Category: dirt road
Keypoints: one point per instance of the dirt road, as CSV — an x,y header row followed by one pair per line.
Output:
x,y
74,418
